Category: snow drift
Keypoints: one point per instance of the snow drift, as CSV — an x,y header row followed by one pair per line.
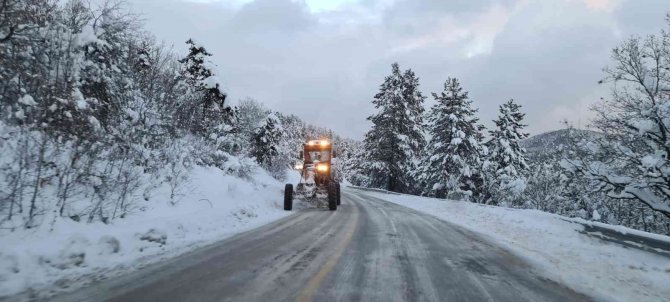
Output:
x,y
70,254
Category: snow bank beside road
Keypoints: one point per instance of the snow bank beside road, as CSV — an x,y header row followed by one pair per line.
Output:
x,y
214,207
599,268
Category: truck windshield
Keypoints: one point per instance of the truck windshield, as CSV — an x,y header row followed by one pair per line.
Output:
x,y
318,156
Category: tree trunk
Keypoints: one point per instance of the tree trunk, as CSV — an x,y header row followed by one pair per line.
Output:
x,y
36,187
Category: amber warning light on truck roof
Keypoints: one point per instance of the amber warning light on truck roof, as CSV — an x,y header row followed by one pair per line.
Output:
x,y
322,142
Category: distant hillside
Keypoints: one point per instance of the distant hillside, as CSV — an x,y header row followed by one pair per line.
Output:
x,y
550,143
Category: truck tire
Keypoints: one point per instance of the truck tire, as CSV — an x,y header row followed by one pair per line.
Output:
x,y
288,197
332,198
337,187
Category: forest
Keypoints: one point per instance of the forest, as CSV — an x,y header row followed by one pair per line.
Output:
x,y
96,115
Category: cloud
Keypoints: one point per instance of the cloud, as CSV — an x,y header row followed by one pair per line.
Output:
x,y
282,16
545,59
324,61
603,5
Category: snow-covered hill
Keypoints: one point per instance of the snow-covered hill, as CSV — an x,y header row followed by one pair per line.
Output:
x,y
550,143
69,254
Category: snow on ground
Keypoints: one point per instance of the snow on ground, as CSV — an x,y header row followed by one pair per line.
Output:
x,y
552,243
216,206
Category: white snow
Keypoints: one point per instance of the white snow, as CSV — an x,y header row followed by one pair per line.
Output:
x,y
20,114
652,161
81,104
88,35
516,186
215,207
553,244
211,82
133,115
643,125
94,122
596,215
27,100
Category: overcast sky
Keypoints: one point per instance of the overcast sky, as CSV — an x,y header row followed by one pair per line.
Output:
x,y
323,60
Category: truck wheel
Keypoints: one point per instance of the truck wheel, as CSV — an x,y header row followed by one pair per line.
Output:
x,y
332,198
337,188
288,197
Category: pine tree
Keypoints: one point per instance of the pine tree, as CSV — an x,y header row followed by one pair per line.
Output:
x,y
416,130
204,105
393,143
451,165
507,161
351,158
267,139
414,99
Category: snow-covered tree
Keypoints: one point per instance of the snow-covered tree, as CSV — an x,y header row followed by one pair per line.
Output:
x,y
566,192
452,160
250,113
95,116
506,166
396,138
631,160
349,159
204,104
544,191
415,111
293,138
266,142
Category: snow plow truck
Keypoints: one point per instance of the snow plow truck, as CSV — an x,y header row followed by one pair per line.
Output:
x,y
318,183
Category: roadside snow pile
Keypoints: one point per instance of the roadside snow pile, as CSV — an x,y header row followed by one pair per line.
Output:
x,y
216,206
605,270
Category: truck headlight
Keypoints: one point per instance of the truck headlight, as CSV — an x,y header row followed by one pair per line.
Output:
x,y
322,168
298,166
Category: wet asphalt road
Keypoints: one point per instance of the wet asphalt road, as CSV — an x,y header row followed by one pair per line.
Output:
x,y
367,250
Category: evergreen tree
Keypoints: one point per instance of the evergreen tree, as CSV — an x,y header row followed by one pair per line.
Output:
x,y
204,105
452,159
416,131
414,99
507,167
267,139
393,143
351,160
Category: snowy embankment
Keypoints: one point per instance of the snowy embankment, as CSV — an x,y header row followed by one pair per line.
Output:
x,y
216,206
557,247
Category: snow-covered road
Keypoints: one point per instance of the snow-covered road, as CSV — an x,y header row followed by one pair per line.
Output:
x,y
607,262
367,250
